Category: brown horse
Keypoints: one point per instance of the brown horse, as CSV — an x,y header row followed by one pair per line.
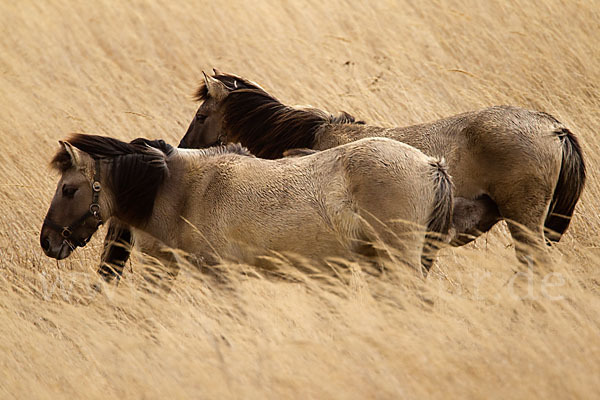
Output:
x,y
223,203
506,162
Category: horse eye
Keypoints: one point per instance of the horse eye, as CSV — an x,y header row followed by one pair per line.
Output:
x,y
200,118
69,192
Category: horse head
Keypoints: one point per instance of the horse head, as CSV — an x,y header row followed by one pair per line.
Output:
x,y
101,177
205,129
75,211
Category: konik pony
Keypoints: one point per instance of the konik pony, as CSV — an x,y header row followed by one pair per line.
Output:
x,y
506,162
222,203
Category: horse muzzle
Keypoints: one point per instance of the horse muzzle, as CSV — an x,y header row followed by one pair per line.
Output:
x,y
55,246
60,243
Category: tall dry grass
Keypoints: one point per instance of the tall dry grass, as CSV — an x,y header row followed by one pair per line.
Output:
x,y
472,330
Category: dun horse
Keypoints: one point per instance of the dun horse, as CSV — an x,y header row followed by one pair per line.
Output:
x,y
223,203
506,162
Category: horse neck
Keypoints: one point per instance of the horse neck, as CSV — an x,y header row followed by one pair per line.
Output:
x,y
165,222
272,130
159,223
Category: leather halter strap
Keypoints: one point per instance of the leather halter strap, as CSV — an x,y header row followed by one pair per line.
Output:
x,y
222,139
93,211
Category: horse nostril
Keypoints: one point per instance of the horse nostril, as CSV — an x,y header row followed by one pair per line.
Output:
x,y
45,244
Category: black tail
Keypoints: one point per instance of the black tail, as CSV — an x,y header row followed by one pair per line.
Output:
x,y
569,186
441,214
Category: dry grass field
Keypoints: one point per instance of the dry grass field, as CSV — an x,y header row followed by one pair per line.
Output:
x,y
473,329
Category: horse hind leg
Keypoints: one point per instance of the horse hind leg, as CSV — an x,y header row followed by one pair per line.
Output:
x,y
528,241
525,216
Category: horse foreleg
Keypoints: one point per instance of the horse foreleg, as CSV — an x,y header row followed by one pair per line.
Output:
x,y
160,265
117,249
161,273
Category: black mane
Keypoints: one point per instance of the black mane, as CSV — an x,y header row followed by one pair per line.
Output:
x,y
263,124
136,170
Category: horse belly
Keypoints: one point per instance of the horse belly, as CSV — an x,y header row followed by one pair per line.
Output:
x,y
309,238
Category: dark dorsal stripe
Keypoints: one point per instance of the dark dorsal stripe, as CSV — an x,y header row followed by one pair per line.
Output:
x,y
136,170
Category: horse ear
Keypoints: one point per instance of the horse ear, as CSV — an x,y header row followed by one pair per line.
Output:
x,y
217,72
215,87
73,152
